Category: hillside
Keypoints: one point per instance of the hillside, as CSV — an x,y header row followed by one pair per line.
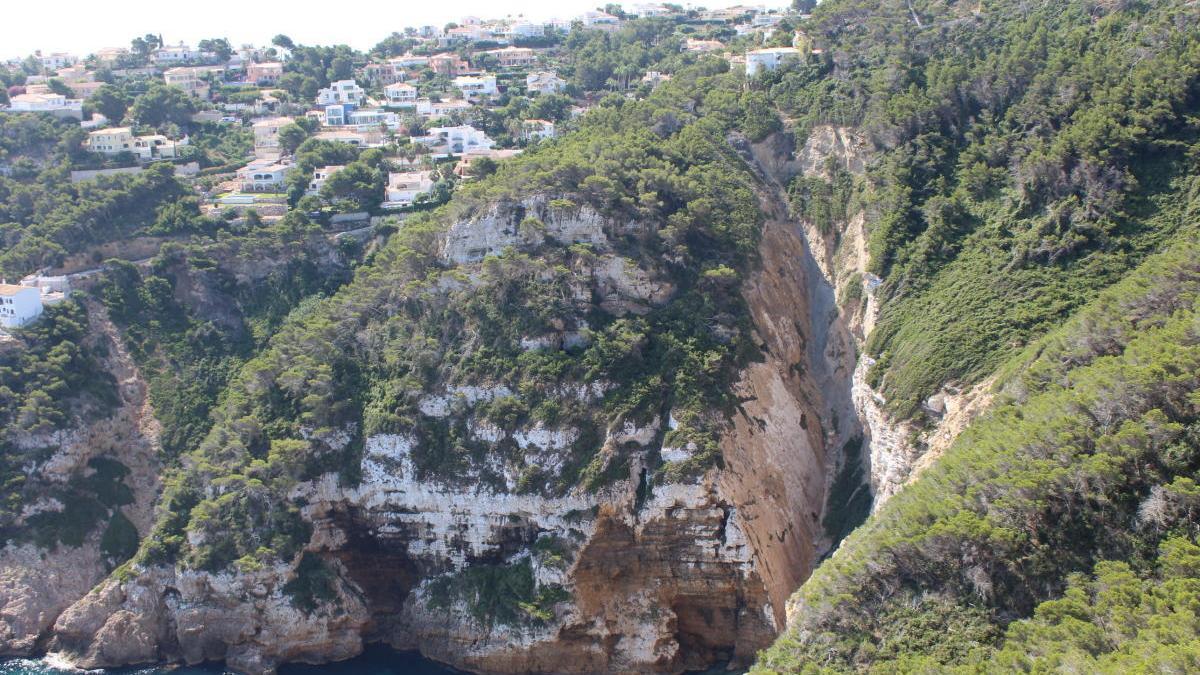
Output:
x,y
883,359
1028,157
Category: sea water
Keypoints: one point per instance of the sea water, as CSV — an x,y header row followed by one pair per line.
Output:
x,y
375,661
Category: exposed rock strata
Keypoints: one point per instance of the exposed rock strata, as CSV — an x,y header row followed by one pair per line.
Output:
x,y
657,577
896,449
36,585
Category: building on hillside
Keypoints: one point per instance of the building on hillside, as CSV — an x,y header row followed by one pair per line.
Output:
x,y
400,95
146,148
514,57
266,73
449,65
320,175
476,88
57,60
759,60
463,167
81,81
461,34
359,139
180,53
266,133
544,82
53,289
383,74
533,130
157,146
111,55
655,78
55,104
342,92
19,305
432,109
646,10
598,19
188,79
456,140
409,60
763,20
110,141
75,74
84,90
364,118
524,30
404,188
702,46
263,176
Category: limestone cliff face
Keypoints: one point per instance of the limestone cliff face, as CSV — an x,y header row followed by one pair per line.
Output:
x,y
643,574
895,449
37,584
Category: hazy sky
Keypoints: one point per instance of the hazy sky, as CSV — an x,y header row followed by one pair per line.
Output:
x,y
80,27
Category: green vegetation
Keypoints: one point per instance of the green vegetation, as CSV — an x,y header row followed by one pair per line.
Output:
x,y
1029,156
358,362
497,594
46,217
1092,454
314,583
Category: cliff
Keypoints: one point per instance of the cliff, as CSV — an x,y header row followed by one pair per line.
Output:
x,y
503,560
38,581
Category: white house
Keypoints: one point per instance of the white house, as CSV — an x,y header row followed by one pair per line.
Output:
x,y
599,19
57,60
403,188
758,60
19,305
647,9
342,91
110,141
409,60
121,139
179,53
428,108
266,132
156,146
189,80
544,82
263,176
655,78
537,129
457,140
525,29
476,88
348,116
358,139
53,289
110,55
514,57
400,95
320,175
55,104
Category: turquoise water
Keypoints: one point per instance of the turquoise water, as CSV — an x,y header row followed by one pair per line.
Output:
x,y
375,661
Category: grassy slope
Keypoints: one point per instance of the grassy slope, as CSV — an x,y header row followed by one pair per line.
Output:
x,y
1095,419
1031,155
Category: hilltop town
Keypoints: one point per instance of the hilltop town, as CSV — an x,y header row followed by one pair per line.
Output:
x,y
255,130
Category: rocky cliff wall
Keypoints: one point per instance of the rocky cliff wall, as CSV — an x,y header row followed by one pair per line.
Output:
x,y
643,574
895,449
37,584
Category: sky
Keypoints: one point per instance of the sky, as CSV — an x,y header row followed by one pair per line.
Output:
x,y
80,27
